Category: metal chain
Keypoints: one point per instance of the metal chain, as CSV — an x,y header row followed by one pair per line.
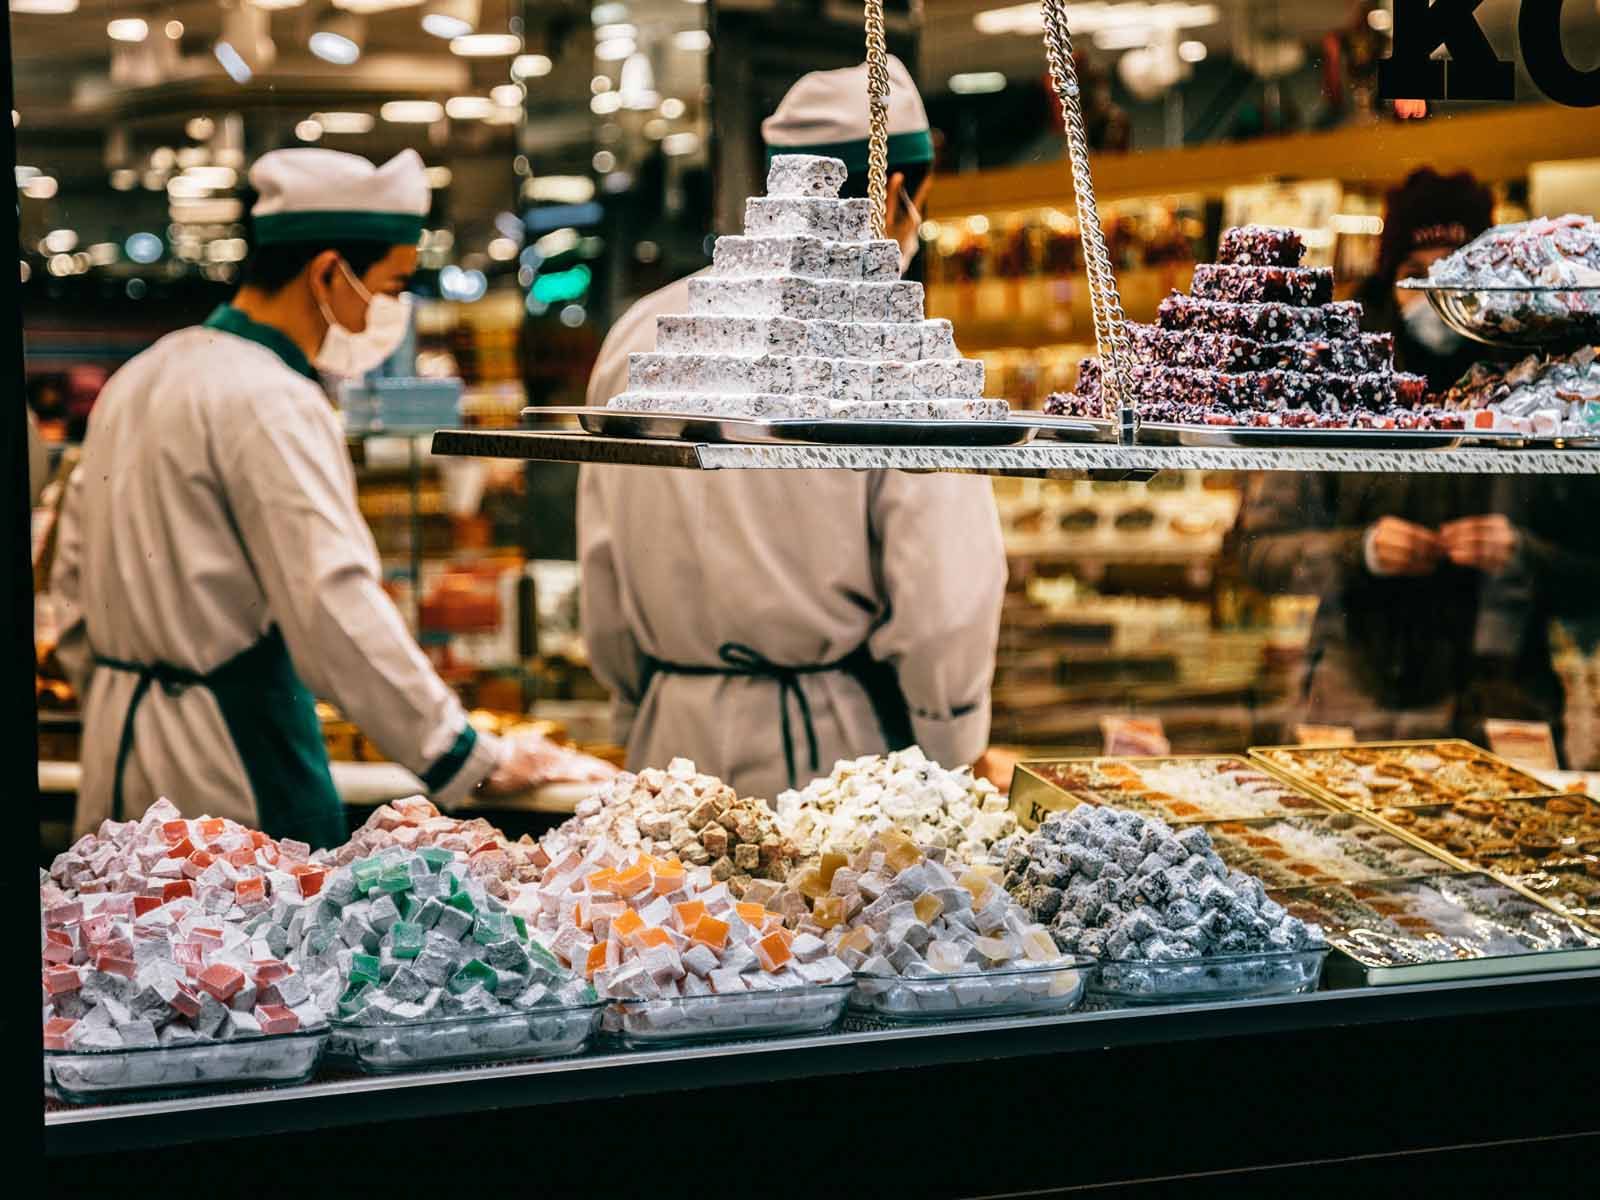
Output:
x,y
1104,302
877,117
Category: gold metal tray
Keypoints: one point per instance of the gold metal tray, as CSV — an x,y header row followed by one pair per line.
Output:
x,y
1034,795
1532,787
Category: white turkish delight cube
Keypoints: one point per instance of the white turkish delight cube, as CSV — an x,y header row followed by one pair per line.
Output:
x,y
948,378
905,301
834,300
892,381
842,260
805,175
863,341
854,220
809,376
872,301
852,380
827,339
938,340
902,342
788,216
880,261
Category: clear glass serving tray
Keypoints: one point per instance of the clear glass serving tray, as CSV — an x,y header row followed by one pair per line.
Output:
x,y
1219,977
1038,990
725,1016
550,1032
159,1072
1513,315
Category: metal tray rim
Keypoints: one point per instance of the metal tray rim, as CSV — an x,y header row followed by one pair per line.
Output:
x,y
699,427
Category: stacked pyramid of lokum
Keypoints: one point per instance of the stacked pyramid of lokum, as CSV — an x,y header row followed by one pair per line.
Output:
x,y
806,316
1260,342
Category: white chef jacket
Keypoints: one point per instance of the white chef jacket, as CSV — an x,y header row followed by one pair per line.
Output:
x,y
803,568
215,499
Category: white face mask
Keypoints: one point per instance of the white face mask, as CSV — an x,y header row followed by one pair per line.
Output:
x,y
1428,327
350,355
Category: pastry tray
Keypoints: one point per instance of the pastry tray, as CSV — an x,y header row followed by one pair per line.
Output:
x,y
541,1032
681,1020
164,1072
1272,758
1040,789
1441,927
1218,977
1362,850
1259,438
1038,990
685,427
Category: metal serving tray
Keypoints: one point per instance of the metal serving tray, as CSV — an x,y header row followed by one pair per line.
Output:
x,y
1257,438
1272,758
1360,852
1440,927
687,427
1035,794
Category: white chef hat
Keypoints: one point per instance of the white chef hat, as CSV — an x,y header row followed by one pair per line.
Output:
x,y
825,113
311,195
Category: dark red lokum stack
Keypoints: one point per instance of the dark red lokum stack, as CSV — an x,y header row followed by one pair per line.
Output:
x,y
1261,341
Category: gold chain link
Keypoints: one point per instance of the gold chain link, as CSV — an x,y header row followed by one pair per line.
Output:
x,y
877,117
1104,301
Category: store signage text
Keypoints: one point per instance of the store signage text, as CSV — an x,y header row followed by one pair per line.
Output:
x,y
1421,28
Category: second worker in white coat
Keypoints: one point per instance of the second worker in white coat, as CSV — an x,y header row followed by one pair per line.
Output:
x,y
769,623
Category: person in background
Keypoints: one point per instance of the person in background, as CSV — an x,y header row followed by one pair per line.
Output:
x,y
768,623
211,553
1424,219
38,458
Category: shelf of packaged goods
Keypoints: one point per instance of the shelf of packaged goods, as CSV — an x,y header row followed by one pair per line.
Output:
x,y
1049,458
851,1057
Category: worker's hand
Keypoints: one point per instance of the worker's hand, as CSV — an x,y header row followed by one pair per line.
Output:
x,y
997,766
1486,543
530,760
1396,547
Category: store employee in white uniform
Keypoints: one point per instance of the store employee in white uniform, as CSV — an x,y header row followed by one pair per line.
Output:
x,y
216,567
768,623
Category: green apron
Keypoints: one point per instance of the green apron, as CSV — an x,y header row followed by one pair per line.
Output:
x,y
272,721
271,717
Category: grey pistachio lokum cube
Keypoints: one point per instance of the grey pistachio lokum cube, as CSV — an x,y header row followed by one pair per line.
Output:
x,y
812,175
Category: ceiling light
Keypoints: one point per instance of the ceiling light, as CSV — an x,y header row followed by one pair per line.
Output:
x,y
614,49
232,62
502,249
199,128
562,189
215,179
530,66
61,241
680,143
127,29
1192,51
44,8
338,40
143,247
672,108
608,14
277,5
468,108
1027,19
173,30
309,130
695,41
617,29
124,179
411,112
486,45
977,83
507,95
344,122
438,177
605,103
450,18
40,187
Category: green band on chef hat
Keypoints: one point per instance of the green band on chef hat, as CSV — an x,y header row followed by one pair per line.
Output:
x,y
313,195
905,149
393,228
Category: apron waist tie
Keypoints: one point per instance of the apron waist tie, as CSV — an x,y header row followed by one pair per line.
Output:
x,y
739,659
173,681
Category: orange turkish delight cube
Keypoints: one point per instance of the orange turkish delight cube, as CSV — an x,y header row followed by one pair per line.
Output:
x,y
772,951
751,914
829,911
667,880
631,882
212,827
596,959
709,931
628,922
689,913
831,863
250,891
654,936
173,832
600,881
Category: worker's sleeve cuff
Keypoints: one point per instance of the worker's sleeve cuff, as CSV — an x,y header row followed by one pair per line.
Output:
x,y
956,740
456,772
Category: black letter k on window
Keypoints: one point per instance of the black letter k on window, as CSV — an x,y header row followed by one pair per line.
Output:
x,y
1421,28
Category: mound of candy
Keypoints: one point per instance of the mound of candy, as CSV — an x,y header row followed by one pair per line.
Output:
x,y
1558,396
678,812
644,927
1543,252
906,791
162,856
411,935
128,971
414,823
1115,885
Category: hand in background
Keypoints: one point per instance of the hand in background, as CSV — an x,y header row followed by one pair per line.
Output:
x,y
1485,543
1395,547
529,760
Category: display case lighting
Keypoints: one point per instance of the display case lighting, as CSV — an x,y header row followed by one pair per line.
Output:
x,y
507,95
40,187
233,63
344,122
694,41
127,29
44,8
411,112
468,108
977,83
530,66
309,130
486,45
